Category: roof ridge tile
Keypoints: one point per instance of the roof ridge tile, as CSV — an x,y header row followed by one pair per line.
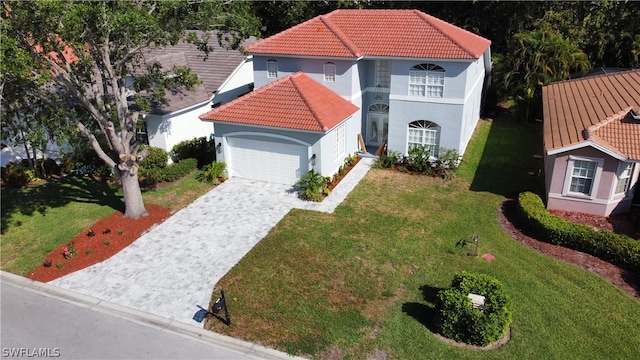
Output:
x,y
617,116
304,98
326,20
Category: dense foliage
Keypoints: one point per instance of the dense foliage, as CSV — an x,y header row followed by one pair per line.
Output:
x,y
617,249
458,320
200,148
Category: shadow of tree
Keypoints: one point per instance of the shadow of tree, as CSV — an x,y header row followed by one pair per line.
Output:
x,y
424,313
511,160
57,193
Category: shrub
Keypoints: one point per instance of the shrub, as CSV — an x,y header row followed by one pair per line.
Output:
x,y
458,320
18,174
156,158
179,170
617,249
48,167
417,160
213,171
200,148
387,160
312,186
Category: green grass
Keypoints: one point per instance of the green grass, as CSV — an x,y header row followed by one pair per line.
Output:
x,y
364,279
38,219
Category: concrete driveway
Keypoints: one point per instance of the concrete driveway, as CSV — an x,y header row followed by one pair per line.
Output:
x,y
173,268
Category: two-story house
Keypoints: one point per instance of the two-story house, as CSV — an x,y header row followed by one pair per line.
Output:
x,y
399,76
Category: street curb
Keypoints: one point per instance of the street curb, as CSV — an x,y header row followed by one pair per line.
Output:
x,y
251,350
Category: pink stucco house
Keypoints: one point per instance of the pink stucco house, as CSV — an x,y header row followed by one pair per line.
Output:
x,y
592,143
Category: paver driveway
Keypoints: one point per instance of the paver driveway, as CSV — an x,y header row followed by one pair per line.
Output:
x,y
173,268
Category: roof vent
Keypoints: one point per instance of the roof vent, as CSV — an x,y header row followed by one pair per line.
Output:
x,y
634,115
585,134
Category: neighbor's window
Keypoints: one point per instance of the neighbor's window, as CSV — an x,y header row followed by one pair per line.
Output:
x,y
329,72
426,80
624,175
272,68
340,140
425,134
582,176
142,134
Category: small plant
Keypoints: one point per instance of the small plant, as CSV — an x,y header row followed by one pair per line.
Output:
x,y
312,186
69,251
91,233
107,242
387,160
88,251
47,263
106,231
120,232
60,266
212,172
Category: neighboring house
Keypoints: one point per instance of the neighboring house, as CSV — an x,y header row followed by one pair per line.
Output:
x,y
396,76
592,143
225,75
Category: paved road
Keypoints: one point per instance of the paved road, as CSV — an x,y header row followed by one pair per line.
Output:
x,y
173,268
40,319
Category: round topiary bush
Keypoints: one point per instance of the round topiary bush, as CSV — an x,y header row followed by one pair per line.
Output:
x,y
457,319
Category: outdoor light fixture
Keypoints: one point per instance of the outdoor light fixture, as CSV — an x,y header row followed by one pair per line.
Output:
x,y
378,93
313,160
219,148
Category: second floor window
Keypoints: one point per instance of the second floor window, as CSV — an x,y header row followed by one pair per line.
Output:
x,y
426,80
383,73
329,72
272,68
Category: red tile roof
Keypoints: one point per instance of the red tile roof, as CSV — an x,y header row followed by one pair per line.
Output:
x,y
293,102
393,33
594,108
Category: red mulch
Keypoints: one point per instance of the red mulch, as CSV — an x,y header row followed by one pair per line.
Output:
x,y
623,279
94,249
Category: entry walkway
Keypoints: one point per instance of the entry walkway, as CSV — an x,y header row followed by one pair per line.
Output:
x,y
173,268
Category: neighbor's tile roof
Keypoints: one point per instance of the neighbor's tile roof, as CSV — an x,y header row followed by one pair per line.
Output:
x,y
393,33
594,109
293,102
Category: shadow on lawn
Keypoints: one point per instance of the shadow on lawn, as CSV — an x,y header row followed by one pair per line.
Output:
x,y
57,193
511,160
424,313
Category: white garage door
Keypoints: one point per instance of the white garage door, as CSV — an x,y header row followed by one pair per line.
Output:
x,y
267,161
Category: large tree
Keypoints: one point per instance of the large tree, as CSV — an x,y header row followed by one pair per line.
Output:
x,y
84,62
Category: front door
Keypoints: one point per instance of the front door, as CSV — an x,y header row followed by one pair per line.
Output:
x,y
377,128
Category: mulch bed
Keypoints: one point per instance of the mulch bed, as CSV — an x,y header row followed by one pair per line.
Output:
x,y
623,279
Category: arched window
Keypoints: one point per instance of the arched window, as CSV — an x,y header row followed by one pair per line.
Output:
x,y
379,108
329,72
425,134
426,80
272,68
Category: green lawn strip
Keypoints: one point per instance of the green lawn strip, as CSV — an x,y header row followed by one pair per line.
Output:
x,y
38,219
364,279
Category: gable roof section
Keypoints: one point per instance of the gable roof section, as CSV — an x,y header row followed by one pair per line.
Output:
x,y
392,33
292,102
593,109
213,71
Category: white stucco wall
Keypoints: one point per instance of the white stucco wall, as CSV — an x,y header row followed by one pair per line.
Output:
x,y
167,130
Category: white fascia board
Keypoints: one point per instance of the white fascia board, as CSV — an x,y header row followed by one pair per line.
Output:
x,y
354,58
368,57
233,73
267,127
592,144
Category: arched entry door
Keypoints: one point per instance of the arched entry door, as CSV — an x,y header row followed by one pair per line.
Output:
x,y
377,124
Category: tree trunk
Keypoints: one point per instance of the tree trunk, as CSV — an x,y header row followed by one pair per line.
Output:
x,y
133,204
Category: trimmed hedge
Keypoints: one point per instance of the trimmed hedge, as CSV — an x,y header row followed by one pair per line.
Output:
x,y
617,249
170,173
456,319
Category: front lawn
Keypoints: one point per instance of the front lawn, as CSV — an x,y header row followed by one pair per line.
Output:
x,y
361,282
38,219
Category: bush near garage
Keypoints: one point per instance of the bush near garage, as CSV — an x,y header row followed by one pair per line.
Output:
x,y
456,318
617,249
201,148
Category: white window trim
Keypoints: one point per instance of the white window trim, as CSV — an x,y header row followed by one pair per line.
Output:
x,y
427,81
329,72
340,139
569,174
272,73
433,128
621,168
